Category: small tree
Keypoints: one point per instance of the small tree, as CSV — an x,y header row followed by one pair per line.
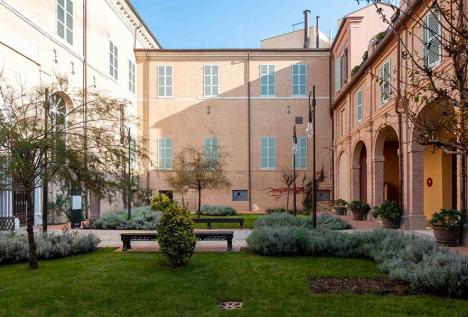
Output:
x,y
195,170
53,134
288,179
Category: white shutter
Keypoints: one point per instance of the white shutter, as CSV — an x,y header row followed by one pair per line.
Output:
x,y
432,33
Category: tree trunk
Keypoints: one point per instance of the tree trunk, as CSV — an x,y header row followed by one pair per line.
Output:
x,y
287,200
199,202
30,229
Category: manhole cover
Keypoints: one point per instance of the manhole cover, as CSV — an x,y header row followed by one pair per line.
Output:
x,y
230,305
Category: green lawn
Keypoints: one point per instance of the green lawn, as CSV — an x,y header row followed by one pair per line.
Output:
x,y
110,283
249,221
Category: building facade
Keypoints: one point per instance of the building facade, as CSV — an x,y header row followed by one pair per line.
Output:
x,y
89,42
246,101
377,156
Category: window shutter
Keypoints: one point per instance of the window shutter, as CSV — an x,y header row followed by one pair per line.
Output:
x,y
433,32
337,74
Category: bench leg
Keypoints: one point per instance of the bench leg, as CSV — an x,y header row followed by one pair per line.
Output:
x,y
229,245
126,245
242,225
209,225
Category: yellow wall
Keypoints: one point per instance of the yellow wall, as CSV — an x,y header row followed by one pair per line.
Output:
x,y
438,166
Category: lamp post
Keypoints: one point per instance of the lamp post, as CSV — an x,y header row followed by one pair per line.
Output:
x,y
294,169
311,135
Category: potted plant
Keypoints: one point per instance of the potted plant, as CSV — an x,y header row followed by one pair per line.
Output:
x,y
447,225
359,209
389,213
340,206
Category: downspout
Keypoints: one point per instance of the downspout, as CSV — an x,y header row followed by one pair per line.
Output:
x,y
332,168
249,141
400,126
146,123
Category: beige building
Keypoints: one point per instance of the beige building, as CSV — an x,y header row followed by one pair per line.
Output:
x,y
246,101
90,42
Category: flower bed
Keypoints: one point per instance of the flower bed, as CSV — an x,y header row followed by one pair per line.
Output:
x,y
324,221
14,247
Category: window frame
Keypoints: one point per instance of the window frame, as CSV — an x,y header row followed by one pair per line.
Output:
x,y
113,61
428,36
64,24
337,74
384,100
131,76
306,150
240,190
358,107
267,157
165,168
211,80
214,158
299,84
165,86
267,76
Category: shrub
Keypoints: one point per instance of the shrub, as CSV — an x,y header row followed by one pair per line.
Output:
x,y
14,247
175,235
324,221
448,219
388,209
274,210
420,263
340,203
357,205
160,202
209,210
142,219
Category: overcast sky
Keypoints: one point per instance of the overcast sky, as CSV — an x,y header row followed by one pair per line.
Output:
x,y
234,23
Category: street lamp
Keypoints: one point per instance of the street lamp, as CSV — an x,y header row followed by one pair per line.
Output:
x,y
311,136
129,175
294,150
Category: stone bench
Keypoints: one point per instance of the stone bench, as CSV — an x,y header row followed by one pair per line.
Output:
x,y
200,235
209,221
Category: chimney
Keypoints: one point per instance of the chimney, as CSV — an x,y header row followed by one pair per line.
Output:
x,y
306,29
317,33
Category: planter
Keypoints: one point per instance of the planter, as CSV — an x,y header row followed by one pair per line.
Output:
x,y
340,210
387,223
359,215
447,237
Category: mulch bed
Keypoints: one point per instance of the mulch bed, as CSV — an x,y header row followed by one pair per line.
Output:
x,y
362,286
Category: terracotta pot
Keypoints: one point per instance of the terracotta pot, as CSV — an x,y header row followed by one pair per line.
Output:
x,y
340,210
447,237
359,215
387,223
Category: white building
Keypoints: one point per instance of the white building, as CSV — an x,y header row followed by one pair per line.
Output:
x,y
90,42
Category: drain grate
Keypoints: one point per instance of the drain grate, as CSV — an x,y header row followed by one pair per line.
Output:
x,y
230,304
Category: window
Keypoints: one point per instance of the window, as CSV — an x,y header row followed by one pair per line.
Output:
x,y
301,155
65,20
344,65
165,154
267,80
131,76
299,79
165,81
337,74
432,32
211,149
358,106
268,153
211,83
240,195
133,154
113,61
385,77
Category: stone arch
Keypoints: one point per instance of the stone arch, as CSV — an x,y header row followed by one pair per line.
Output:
x,y
386,166
343,176
359,172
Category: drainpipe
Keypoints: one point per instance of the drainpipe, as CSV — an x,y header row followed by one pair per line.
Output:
x,y
85,94
332,169
400,126
249,141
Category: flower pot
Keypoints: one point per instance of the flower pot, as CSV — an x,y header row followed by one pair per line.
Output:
x,y
388,223
340,210
447,236
359,214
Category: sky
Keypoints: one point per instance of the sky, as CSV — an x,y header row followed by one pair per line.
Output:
x,y
234,23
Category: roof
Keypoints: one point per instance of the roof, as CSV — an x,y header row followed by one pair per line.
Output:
x,y
130,5
233,50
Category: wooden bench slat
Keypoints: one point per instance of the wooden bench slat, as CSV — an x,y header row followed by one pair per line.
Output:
x,y
208,221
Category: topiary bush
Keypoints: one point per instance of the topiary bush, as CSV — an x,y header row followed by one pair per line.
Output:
x,y
14,247
419,262
160,202
143,218
324,221
213,210
175,235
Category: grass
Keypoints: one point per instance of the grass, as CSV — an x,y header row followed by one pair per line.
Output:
x,y
108,283
249,220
